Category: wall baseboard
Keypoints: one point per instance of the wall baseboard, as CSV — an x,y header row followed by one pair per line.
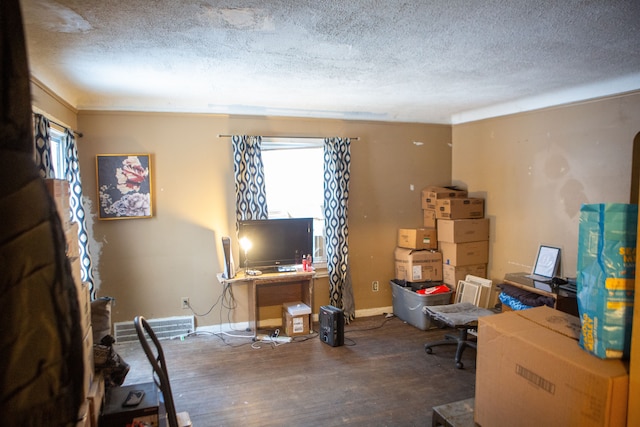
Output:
x,y
241,328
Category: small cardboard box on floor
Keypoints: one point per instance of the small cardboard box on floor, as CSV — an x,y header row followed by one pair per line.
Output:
x,y
295,318
531,372
417,265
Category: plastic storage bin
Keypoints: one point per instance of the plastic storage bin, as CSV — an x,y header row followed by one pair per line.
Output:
x,y
407,304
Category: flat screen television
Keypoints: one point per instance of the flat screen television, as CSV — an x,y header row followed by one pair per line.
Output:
x,y
276,243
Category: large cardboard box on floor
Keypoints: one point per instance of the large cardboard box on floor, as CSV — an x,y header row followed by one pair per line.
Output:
x,y
531,372
460,208
463,230
418,238
414,265
468,253
432,193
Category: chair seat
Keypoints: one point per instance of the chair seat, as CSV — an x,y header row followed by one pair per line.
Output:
x,y
456,315
462,316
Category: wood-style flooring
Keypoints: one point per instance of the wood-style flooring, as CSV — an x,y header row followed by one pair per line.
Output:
x,y
380,377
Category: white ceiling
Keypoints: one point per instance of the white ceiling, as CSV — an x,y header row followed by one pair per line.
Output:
x,y
444,61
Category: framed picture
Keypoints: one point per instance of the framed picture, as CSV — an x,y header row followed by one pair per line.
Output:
x,y
124,186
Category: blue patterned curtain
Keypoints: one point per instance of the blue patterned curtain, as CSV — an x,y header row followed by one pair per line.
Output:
x,y
71,171
72,174
251,199
43,146
337,166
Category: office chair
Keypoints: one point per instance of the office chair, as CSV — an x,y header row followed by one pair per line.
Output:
x,y
161,375
461,316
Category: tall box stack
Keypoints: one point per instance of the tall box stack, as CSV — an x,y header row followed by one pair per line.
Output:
x,y
465,248
60,193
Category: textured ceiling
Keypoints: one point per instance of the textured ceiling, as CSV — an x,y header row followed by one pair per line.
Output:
x,y
424,61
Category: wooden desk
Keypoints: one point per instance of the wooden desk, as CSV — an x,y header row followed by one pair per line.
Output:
x,y
562,300
274,289
520,280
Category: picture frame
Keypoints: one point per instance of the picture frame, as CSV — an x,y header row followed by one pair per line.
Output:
x,y
124,186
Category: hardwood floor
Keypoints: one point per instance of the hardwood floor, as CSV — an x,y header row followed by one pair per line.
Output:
x,y
380,377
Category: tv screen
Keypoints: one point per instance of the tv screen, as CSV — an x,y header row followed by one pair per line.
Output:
x,y
276,242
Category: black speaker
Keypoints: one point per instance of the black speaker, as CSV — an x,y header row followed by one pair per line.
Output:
x,y
229,268
331,325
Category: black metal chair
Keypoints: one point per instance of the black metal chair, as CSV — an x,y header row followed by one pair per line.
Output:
x,y
461,316
161,375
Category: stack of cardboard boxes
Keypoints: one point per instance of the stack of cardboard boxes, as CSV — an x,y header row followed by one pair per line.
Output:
x,y
416,256
453,242
93,390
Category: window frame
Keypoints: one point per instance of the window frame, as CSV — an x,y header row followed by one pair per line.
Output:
x,y
283,143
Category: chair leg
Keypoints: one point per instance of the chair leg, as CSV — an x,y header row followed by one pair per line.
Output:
x,y
461,340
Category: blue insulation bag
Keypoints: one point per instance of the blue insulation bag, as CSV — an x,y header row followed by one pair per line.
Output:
x,y
606,277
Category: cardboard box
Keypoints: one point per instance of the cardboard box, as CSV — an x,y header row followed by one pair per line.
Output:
x,y
429,218
84,302
71,238
76,271
451,274
469,253
87,359
531,372
432,193
460,208
414,265
418,238
83,419
59,190
295,318
463,230
96,400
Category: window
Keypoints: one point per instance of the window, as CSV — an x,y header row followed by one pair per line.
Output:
x,y
56,139
294,183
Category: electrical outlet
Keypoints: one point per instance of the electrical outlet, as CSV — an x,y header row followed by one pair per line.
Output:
x,y
185,302
374,286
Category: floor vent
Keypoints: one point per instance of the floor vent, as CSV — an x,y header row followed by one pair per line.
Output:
x,y
168,327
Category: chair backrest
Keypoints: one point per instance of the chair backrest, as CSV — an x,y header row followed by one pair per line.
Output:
x,y
159,366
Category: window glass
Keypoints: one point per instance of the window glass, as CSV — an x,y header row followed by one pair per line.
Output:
x,y
57,152
294,184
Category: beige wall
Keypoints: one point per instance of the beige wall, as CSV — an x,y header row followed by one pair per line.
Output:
x,y
149,264
536,169
45,101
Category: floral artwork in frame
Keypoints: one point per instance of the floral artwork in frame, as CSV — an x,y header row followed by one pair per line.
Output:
x,y
124,186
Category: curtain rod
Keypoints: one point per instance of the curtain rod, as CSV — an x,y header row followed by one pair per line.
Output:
x,y
61,125
288,137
